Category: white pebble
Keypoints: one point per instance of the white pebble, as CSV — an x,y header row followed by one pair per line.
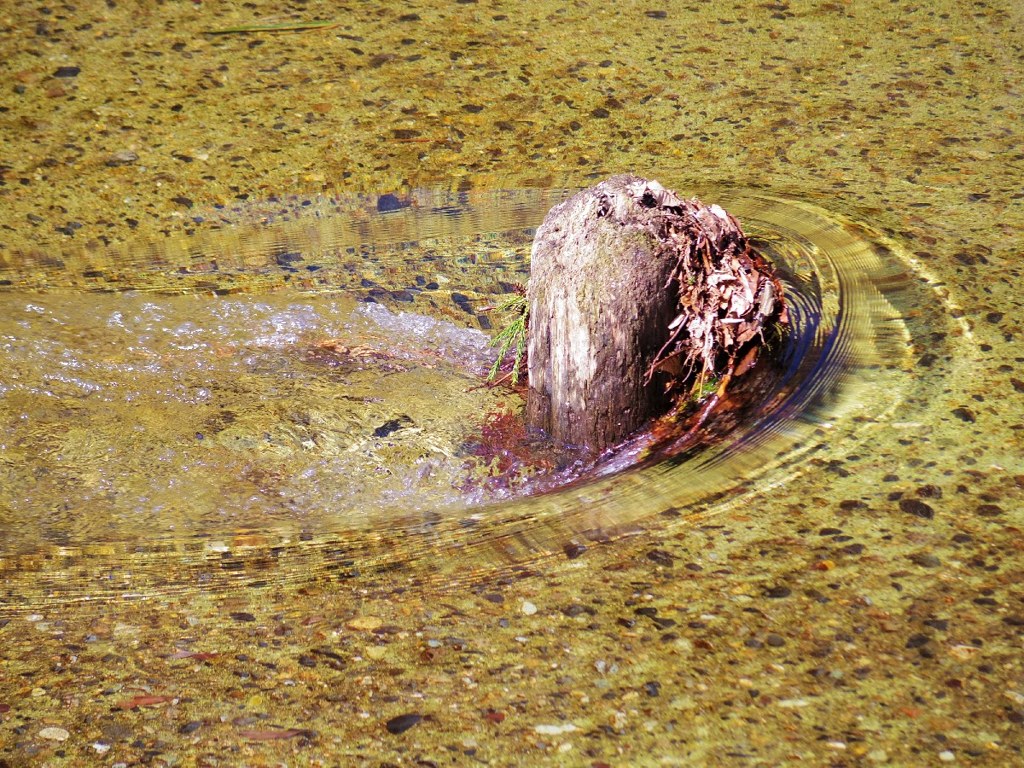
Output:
x,y
53,733
793,703
529,608
555,730
946,756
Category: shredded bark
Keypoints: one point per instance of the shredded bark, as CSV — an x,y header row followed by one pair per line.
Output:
x,y
727,292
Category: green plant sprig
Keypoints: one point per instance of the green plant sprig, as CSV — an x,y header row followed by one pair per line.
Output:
x,y
512,336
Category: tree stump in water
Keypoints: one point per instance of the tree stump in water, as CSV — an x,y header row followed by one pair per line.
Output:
x,y
633,291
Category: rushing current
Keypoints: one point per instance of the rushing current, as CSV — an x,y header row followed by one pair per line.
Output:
x,y
299,392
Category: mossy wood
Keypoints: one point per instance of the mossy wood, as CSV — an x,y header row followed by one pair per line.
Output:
x,y
634,291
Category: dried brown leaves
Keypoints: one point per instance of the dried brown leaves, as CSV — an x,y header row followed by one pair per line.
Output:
x,y
728,293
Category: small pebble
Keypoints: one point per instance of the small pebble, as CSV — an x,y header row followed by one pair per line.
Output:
x,y
917,508
946,756
793,703
367,623
529,608
53,733
554,730
926,560
661,557
124,157
402,723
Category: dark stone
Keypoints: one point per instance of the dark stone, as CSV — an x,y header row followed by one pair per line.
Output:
x,y
242,616
389,202
661,557
917,508
392,425
402,723
778,592
182,201
67,72
69,229
472,108
572,551
964,414
577,609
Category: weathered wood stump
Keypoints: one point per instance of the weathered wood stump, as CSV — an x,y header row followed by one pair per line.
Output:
x,y
631,291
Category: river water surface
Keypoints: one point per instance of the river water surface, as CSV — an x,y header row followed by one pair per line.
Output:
x,y
257,508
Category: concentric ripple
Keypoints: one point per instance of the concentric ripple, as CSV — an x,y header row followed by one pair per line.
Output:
x,y
291,277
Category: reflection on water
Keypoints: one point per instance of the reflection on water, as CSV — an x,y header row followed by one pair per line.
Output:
x,y
294,393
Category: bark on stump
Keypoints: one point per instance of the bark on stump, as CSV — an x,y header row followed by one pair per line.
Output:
x,y
605,306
